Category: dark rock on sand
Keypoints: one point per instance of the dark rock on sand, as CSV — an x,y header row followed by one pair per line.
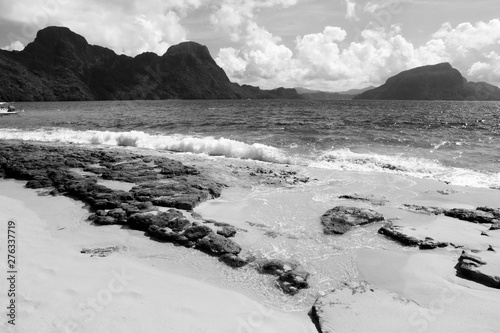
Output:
x,y
341,219
369,198
476,216
396,233
481,267
291,282
100,252
479,215
227,231
233,260
425,209
196,232
275,266
290,278
218,245
172,219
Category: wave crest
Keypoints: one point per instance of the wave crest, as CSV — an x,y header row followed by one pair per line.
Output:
x,y
180,143
345,159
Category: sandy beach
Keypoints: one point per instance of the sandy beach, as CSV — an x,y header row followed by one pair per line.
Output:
x,y
144,285
63,290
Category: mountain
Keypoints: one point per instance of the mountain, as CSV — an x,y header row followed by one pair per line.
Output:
x,y
327,95
60,65
435,82
356,91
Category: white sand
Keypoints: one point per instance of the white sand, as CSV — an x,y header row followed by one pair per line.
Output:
x,y
446,303
61,290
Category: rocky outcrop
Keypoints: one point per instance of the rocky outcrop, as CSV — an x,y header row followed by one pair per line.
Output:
x,y
60,65
398,234
435,82
341,219
482,267
368,198
478,215
290,279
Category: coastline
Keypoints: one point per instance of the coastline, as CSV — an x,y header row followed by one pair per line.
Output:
x,y
63,290
254,195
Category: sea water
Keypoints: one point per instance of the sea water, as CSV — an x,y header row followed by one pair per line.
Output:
x,y
458,142
381,149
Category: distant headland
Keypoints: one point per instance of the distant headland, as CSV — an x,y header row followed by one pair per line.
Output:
x,y
59,65
435,82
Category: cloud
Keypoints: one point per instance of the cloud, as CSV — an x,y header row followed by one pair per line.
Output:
x,y
128,26
326,60
233,16
351,10
14,46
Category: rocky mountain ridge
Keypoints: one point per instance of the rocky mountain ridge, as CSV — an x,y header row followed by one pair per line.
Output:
x,y
61,65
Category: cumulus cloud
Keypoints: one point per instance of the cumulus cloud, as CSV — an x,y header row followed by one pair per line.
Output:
x,y
14,46
129,26
234,16
326,60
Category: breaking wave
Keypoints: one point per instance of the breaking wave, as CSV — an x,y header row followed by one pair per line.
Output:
x,y
340,159
180,143
345,159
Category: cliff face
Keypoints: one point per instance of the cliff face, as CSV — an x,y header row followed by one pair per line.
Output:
x,y
436,82
61,65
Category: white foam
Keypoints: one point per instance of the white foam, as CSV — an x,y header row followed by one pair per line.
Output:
x,y
182,143
345,159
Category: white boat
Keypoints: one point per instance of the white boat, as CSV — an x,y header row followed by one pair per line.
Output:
x,y
6,109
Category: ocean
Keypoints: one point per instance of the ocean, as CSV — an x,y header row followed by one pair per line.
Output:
x,y
400,152
454,142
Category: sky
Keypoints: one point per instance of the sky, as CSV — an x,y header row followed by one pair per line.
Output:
x,y
329,45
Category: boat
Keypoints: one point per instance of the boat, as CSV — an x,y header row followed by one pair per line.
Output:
x,y
6,109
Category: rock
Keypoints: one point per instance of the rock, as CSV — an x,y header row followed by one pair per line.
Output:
x,y
429,244
218,245
358,307
495,226
291,282
494,211
479,215
227,231
100,252
196,232
172,219
482,267
476,216
275,266
395,233
141,221
424,209
371,199
104,220
166,234
233,260
341,219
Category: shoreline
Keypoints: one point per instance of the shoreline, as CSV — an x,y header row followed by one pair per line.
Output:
x,y
117,293
256,191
